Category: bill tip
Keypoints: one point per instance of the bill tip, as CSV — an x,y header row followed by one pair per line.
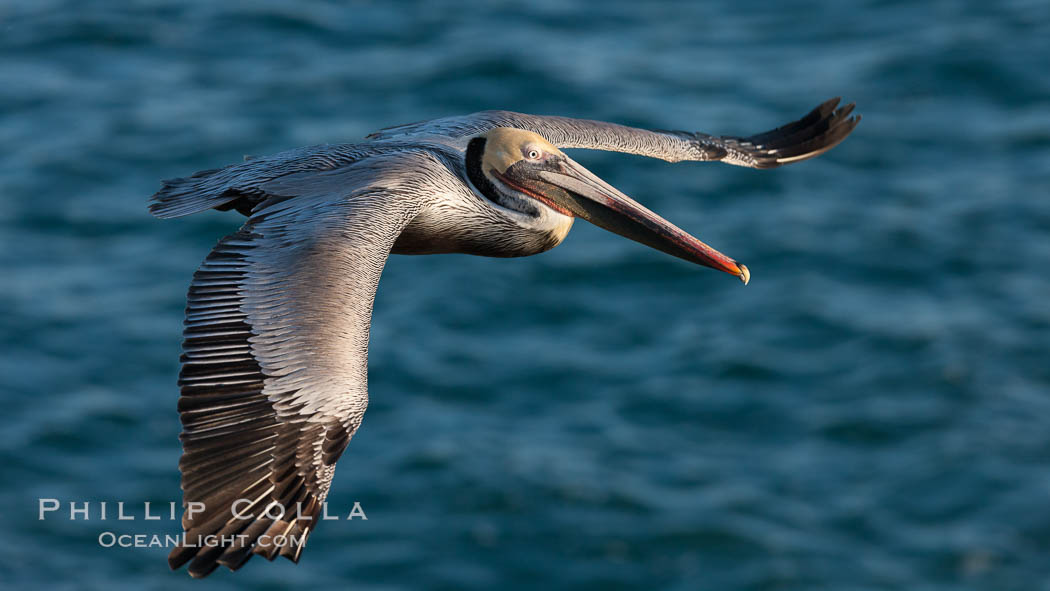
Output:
x,y
745,274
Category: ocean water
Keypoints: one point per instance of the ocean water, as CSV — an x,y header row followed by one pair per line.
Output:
x,y
871,412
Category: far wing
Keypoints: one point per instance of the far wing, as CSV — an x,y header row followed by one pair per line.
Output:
x,y
819,131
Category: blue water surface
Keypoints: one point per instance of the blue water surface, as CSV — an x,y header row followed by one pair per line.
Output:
x,y
871,412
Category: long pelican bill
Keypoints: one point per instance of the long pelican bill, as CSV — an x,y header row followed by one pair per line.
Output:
x,y
589,197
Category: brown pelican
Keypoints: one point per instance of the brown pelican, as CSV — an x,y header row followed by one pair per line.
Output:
x,y
274,365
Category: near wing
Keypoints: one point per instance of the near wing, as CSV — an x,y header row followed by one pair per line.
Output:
x,y
274,370
819,131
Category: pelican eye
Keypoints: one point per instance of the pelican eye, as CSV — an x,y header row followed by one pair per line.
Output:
x,y
532,154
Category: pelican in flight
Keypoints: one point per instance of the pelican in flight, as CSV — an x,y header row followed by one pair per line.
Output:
x,y
274,365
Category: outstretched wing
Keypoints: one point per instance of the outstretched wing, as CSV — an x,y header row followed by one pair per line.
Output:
x,y
819,131
274,370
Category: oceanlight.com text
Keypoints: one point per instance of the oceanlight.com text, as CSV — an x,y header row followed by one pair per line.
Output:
x,y
108,539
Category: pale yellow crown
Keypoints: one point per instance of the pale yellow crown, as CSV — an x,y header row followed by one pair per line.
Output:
x,y
505,146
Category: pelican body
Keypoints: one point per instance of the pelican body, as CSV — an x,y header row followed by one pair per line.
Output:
x,y
274,365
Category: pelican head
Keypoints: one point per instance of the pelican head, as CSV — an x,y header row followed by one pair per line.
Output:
x,y
521,171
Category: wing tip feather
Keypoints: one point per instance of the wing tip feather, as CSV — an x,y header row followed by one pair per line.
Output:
x,y
820,130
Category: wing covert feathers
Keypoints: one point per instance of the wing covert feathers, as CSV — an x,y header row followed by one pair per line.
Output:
x,y
240,456
274,365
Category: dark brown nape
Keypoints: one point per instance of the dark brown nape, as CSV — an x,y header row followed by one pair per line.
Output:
x,y
475,151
